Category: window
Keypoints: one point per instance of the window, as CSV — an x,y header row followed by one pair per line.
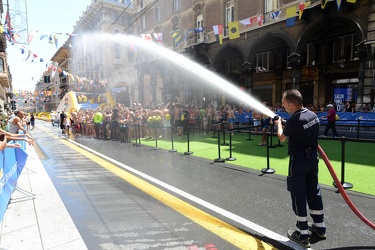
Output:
x,y
157,14
199,26
310,55
128,3
264,62
270,5
141,4
176,5
233,66
343,48
1,64
143,23
229,15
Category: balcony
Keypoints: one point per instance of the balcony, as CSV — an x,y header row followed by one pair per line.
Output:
x,y
4,79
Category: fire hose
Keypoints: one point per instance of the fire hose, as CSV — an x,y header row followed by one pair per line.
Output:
x,y
342,190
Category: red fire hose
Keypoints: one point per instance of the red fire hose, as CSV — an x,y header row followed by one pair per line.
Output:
x,y
342,190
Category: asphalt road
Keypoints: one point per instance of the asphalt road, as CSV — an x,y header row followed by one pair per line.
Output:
x,y
138,198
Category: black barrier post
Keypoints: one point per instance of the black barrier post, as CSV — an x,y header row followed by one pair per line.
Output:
x,y
156,137
344,184
238,124
172,150
139,136
268,170
249,139
358,127
272,132
188,142
136,135
230,158
224,143
218,149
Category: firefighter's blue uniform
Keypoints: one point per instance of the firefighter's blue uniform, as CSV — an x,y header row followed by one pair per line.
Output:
x,y
302,131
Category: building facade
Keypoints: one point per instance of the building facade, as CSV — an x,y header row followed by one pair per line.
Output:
x,y
264,47
6,102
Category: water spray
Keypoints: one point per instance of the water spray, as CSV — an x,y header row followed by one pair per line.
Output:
x,y
210,77
84,45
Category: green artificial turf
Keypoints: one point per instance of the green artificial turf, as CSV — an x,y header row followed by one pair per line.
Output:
x,y
359,162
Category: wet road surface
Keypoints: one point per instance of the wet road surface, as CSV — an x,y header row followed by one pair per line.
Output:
x,y
139,198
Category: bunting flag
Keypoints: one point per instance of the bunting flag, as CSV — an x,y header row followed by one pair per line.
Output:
x,y
275,14
158,38
259,19
176,35
323,4
351,1
34,57
291,16
146,37
218,31
31,36
302,7
199,30
43,36
28,55
338,4
54,70
56,40
22,50
246,22
233,30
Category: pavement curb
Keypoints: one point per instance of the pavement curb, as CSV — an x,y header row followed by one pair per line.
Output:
x,y
40,223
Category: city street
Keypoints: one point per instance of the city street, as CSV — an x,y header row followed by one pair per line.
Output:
x,y
125,197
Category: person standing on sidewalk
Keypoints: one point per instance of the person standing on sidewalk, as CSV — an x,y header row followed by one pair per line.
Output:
x,y
302,132
331,119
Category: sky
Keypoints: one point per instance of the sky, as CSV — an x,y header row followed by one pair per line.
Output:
x,y
46,17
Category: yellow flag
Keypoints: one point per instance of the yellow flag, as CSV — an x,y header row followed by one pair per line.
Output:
x,y
323,4
233,29
291,12
351,1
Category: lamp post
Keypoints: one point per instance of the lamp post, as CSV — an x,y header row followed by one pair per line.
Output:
x,y
294,62
246,68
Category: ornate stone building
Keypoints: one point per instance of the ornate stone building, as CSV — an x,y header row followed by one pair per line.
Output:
x,y
327,53
5,76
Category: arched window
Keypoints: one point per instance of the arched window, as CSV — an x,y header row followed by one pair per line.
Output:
x,y
2,64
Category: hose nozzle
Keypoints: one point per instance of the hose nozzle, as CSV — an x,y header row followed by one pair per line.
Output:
x,y
282,120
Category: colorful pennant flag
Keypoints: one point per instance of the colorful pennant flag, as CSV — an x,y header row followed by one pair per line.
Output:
x,y
31,36
218,31
176,35
233,30
158,38
246,21
338,4
275,14
291,16
323,4
302,7
147,37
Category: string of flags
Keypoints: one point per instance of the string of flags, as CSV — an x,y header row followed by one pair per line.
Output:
x,y
259,19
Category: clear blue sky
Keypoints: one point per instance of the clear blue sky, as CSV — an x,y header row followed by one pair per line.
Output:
x,y
45,16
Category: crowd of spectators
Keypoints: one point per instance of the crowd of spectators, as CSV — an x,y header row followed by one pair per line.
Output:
x,y
126,124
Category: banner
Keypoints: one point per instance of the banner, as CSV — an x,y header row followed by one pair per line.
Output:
x,y
13,160
346,118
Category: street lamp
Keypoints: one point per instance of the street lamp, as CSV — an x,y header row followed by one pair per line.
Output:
x,y
294,62
246,68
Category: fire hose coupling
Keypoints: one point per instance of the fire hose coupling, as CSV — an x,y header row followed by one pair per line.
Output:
x,y
282,120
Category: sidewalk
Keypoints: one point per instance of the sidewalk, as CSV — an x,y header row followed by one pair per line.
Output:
x,y
37,223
